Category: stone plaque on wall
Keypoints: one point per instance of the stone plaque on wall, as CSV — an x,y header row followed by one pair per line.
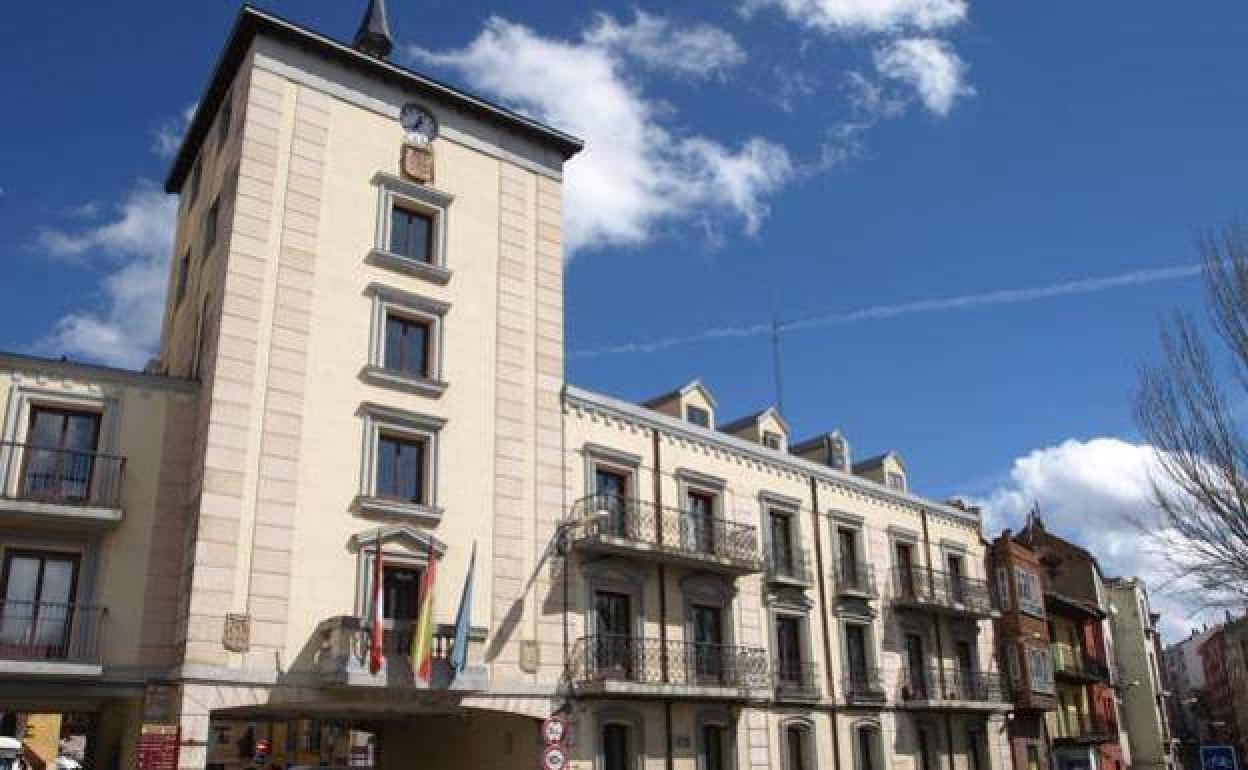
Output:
x,y
528,656
417,163
237,634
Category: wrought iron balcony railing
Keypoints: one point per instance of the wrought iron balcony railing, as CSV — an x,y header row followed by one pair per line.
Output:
x,y
918,587
611,658
613,520
935,684
49,631
32,473
864,686
795,679
792,566
1084,729
1078,667
855,579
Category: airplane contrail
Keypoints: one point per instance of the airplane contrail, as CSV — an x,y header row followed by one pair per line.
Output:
x,y
917,307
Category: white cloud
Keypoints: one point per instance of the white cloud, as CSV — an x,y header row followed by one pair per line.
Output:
x,y
930,66
134,247
700,50
866,16
167,137
635,174
1093,492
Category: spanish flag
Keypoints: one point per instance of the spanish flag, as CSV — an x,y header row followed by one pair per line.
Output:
x,y
422,640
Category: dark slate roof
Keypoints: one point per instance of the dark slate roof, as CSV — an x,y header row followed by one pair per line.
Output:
x,y
873,462
373,36
821,440
742,422
252,23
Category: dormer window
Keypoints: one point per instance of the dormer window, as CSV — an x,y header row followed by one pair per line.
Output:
x,y
897,481
773,440
697,416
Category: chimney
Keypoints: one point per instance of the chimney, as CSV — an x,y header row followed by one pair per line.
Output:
x,y
373,36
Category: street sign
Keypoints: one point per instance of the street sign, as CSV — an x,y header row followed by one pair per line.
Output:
x,y
158,747
553,758
554,730
1217,758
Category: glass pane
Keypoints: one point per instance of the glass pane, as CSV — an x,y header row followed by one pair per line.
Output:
x,y
46,428
23,582
394,343
411,459
387,484
81,432
58,581
398,231
417,339
418,238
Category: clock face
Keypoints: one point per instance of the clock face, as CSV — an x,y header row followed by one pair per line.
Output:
x,y
419,123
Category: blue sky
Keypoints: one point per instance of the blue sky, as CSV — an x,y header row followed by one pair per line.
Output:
x,y
821,155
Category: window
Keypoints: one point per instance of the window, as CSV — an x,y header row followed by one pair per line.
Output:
x,y
1003,587
184,269
907,583
400,463
411,234
193,193
37,612
868,754
58,464
773,440
957,585
210,227
401,469
798,751
700,534
1013,664
616,747
916,667
411,228
782,551
789,650
1040,669
858,653
715,747
926,760
201,336
407,345
223,122
1029,598
896,480
697,415
708,640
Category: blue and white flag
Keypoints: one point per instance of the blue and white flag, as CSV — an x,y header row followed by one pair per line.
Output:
x,y
463,618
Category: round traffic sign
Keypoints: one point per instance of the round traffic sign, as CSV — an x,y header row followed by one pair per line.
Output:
x,y
553,758
554,730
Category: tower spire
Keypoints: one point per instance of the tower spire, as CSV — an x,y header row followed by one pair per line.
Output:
x,y
373,37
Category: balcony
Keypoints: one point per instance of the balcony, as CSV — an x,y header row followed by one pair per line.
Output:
x,y
864,688
948,688
1078,668
53,486
640,529
50,639
855,580
341,657
955,595
1084,730
791,568
627,665
795,680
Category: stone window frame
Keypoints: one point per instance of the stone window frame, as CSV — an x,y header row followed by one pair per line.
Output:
x,y
378,419
630,718
615,460
717,717
905,536
426,200
838,520
806,726
388,301
872,640
24,397
365,545
84,546
619,576
873,726
710,589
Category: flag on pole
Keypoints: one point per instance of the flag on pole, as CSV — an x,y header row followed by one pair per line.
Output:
x,y
463,618
422,640
375,624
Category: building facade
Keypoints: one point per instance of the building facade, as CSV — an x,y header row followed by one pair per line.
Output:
x,y
359,385
1084,728
1145,695
1224,699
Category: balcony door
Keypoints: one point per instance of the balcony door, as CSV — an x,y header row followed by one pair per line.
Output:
x,y
789,650
37,615
957,579
847,547
857,653
613,635
782,543
611,489
715,747
708,643
916,666
905,570
400,607
60,455
700,522
966,668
